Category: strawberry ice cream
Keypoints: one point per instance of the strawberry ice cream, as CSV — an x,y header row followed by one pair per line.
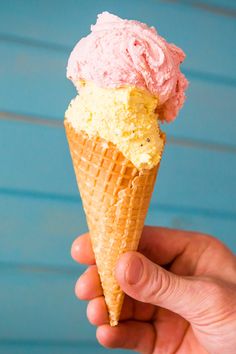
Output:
x,y
121,52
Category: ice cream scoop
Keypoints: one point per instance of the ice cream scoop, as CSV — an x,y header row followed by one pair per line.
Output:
x,y
125,116
120,53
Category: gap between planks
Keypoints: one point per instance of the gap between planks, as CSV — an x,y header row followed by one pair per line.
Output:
x,y
201,5
57,123
14,342
63,198
197,75
40,268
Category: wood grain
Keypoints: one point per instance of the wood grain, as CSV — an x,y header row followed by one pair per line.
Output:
x,y
43,91
54,347
208,38
39,232
38,160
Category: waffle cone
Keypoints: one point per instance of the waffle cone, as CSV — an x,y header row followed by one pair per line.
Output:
x,y
115,196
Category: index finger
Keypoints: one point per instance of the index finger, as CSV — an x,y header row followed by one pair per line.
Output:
x,y
81,250
163,245
159,244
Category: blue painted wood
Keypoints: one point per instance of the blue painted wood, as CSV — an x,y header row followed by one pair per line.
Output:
x,y
220,226
208,114
38,159
40,232
39,348
225,4
41,305
206,31
44,91
40,155
206,178
34,81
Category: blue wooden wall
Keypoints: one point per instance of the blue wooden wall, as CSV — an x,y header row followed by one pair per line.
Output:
x,y
40,209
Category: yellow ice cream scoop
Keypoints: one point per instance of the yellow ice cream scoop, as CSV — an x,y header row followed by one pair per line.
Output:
x,y
125,116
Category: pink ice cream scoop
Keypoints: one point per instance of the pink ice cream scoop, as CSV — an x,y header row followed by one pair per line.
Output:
x,y
121,52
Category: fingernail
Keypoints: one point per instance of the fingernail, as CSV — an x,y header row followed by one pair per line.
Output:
x,y
134,271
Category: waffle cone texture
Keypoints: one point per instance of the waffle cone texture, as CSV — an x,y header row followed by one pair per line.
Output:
x,y
115,196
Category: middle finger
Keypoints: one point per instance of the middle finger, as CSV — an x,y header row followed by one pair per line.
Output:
x,y
88,286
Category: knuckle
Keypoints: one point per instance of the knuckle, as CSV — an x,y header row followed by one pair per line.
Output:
x,y
160,286
219,294
215,305
207,239
215,292
212,241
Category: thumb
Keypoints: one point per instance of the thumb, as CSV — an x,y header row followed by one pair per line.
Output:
x,y
147,282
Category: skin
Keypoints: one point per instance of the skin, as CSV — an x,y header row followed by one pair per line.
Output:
x,y
182,301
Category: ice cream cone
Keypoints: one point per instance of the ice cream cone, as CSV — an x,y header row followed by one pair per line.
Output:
x,y
115,196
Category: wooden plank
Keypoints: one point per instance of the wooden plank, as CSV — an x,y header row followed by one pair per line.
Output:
x,y
41,305
37,159
222,4
196,177
208,114
40,232
40,314
70,348
218,226
35,83
39,21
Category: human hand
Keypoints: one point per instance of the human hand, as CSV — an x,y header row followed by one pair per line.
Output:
x,y
181,294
